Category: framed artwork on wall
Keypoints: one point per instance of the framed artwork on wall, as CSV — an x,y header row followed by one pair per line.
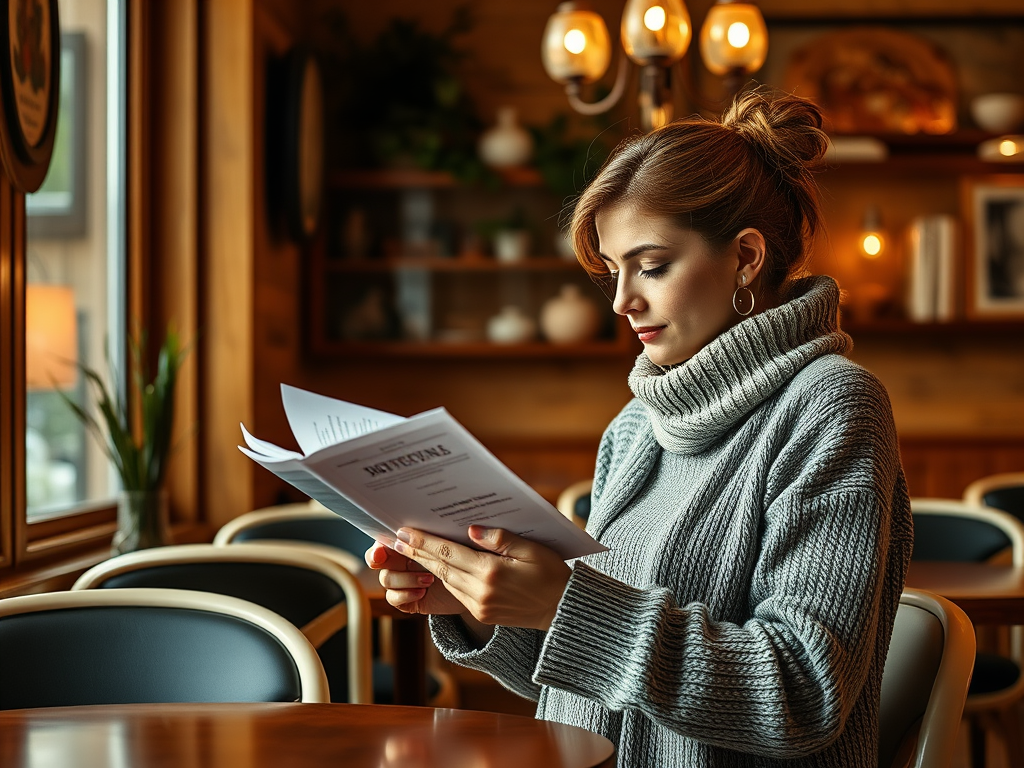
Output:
x,y
29,89
993,210
57,208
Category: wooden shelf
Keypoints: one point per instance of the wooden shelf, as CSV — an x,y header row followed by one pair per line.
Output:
x,y
412,178
457,264
945,154
955,328
476,349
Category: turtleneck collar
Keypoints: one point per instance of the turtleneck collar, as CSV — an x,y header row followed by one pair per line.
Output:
x,y
692,405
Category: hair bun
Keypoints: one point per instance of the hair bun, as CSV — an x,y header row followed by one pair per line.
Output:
x,y
784,129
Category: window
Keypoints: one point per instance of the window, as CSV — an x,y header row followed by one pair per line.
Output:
x,y
74,268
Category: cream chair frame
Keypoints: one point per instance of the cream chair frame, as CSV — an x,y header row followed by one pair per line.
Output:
x,y
227,533
1003,702
312,678
353,613
975,492
931,743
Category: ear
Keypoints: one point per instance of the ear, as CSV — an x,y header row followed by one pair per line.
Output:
x,y
751,251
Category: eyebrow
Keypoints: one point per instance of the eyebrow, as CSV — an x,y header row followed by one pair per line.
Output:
x,y
637,250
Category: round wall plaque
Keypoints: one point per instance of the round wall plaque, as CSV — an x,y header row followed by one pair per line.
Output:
x,y
29,89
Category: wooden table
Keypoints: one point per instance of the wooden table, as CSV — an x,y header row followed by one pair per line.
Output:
x,y
408,643
293,735
988,594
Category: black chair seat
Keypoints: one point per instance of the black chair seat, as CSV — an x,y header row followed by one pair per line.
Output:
x,y
993,673
384,685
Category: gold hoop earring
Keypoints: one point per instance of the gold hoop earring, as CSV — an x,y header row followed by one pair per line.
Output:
x,y
736,297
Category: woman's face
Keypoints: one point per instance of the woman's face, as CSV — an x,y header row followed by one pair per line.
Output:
x,y
676,292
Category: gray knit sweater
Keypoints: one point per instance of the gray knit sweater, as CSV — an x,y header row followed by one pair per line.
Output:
x,y
759,531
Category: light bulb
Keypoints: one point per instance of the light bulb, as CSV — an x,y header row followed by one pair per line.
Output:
x,y
654,19
1007,148
871,244
655,31
574,41
734,37
738,34
872,241
576,45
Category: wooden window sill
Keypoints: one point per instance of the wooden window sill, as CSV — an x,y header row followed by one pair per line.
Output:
x,y
60,574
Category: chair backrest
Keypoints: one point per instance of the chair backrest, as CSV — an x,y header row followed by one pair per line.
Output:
x,y
136,646
953,531
574,502
308,522
924,685
1004,491
314,593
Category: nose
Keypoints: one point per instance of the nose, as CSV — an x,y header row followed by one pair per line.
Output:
x,y
627,299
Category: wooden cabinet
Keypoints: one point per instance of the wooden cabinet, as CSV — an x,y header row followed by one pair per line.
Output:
x,y
407,268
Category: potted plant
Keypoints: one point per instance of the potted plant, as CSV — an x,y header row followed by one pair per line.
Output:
x,y
135,433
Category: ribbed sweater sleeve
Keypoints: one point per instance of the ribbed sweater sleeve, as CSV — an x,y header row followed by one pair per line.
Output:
x,y
510,656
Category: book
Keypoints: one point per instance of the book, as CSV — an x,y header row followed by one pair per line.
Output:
x,y
931,286
382,472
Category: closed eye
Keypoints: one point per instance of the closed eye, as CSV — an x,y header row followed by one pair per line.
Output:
x,y
657,271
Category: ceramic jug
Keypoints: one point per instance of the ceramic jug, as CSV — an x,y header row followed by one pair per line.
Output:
x,y
570,317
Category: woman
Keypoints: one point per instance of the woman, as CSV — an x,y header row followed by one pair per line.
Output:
x,y
751,495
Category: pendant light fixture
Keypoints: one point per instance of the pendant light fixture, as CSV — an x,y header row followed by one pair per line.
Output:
x,y
655,35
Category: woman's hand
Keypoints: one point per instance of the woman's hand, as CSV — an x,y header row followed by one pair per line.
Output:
x,y
515,582
410,588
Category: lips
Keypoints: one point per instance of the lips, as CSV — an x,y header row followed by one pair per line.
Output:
x,y
648,333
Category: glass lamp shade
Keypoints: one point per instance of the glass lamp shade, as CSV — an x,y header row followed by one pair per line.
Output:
x,y
734,37
51,337
655,31
576,45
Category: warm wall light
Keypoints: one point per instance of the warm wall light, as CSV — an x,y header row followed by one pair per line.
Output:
x,y
655,35
1002,149
872,239
734,39
51,337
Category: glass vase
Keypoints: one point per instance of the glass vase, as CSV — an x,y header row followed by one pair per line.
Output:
x,y
142,521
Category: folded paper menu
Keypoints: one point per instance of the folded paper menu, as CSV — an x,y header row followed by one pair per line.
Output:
x,y
382,472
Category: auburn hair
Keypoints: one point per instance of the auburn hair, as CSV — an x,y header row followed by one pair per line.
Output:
x,y
752,168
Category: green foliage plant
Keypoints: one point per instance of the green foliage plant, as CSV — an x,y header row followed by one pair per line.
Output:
x,y
405,92
135,432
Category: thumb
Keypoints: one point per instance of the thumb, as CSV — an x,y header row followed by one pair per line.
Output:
x,y
497,540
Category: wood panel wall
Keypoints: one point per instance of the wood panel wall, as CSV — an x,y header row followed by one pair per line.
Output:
x,y
953,398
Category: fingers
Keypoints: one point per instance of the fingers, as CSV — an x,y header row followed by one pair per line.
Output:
x,y
379,557
448,561
405,579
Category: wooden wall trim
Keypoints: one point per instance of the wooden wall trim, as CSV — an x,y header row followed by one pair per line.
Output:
x,y
942,467
9,258
227,245
172,184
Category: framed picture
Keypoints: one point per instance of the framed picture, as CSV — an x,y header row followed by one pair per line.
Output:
x,y
994,218
57,208
29,89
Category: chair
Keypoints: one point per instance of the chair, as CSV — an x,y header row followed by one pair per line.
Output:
x,y
951,530
1004,491
924,684
312,526
309,522
135,646
312,592
574,502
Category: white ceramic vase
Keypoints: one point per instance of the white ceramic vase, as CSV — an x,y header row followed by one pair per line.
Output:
x,y
511,326
507,144
570,317
511,244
